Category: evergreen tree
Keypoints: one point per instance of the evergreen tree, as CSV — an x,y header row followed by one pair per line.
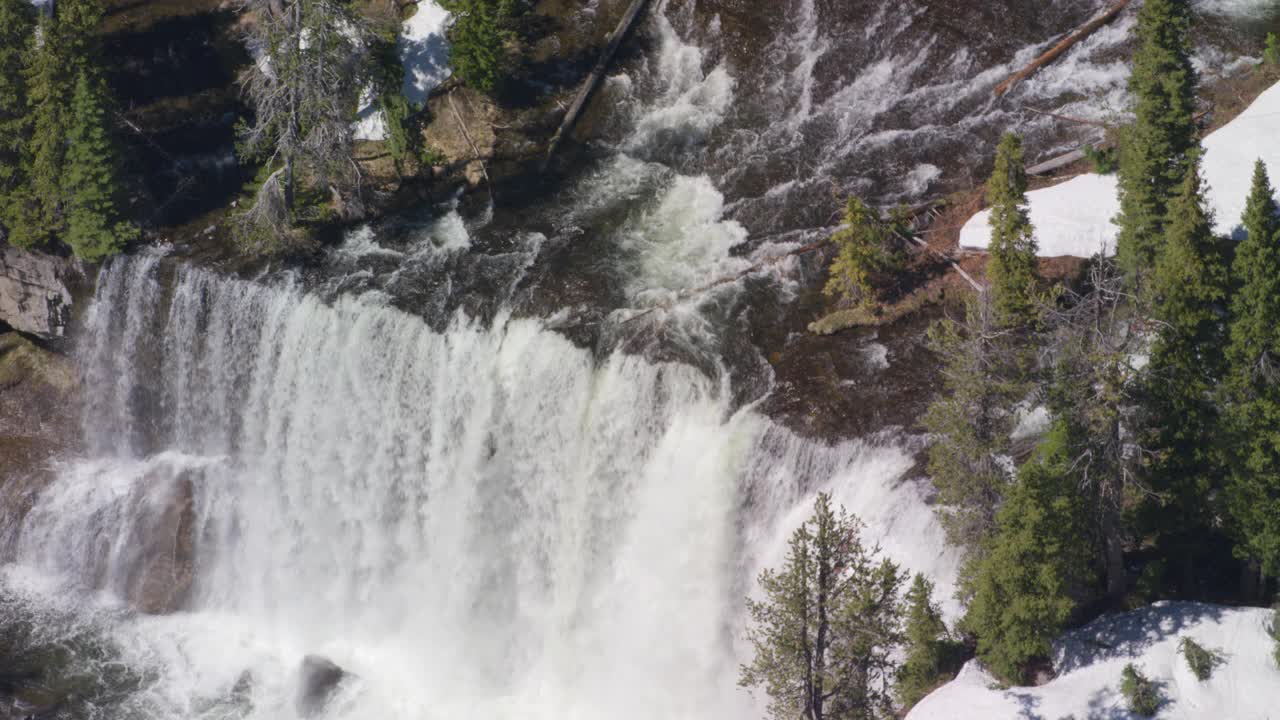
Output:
x,y
1035,559
1271,54
1190,287
1093,392
477,41
89,184
865,255
925,634
1156,151
17,25
970,423
1013,269
37,216
1253,381
826,625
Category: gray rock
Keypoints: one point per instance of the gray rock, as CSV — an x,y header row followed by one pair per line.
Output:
x,y
35,294
317,679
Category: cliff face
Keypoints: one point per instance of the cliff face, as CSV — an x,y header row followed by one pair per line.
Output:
x,y
36,291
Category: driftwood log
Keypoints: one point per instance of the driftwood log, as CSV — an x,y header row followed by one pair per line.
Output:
x,y
1058,50
593,80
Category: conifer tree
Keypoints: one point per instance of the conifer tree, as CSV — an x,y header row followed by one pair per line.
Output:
x,y
970,423
827,623
477,37
1013,269
865,255
1037,555
1253,381
38,215
925,635
17,25
1190,287
1156,151
94,230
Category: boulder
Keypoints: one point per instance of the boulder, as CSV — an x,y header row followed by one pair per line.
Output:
x,y
318,678
35,291
162,568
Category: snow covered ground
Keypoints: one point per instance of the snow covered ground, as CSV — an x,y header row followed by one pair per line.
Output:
x,y
1245,686
1074,217
424,52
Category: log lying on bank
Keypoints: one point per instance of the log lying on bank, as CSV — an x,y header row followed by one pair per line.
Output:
x,y
1058,50
593,80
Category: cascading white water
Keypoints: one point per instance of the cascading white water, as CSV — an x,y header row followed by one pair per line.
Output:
x,y
486,520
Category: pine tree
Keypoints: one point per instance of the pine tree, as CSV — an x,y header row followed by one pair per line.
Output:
x,y
865,255
94,231
826,625
1013,268
17,25
1190,287
1271,54
1253,381
970,423
477,41
925,634
1034,560
1156,151
38,215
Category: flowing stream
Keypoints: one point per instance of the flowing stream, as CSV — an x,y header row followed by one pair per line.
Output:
x,y
416,469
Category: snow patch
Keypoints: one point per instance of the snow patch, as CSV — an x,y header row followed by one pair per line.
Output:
x,y
424,53
1246,686
1075,217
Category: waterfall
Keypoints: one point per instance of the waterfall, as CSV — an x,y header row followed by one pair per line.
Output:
x,y
482,519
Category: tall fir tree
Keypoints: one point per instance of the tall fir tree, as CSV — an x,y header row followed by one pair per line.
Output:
x,y
1156,151
1190,291
38,217
94,230
1013,269
1253,382
1036,558
825,627
17,26
923,668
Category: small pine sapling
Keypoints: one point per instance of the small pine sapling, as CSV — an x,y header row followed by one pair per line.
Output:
x,y
1200,659
1142,695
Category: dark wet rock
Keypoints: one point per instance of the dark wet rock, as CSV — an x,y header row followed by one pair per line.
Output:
x,y
36,291
164,535
318,678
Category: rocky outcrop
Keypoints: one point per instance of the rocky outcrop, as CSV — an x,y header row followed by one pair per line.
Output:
x,y
36,291
318,678
164,543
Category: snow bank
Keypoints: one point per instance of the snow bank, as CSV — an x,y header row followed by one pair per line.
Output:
x,y
424,52
1246,686
1074,217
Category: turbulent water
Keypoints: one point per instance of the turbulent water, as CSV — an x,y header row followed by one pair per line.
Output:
x,y
419,465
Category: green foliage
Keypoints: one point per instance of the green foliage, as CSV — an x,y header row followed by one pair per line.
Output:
x,y
927,648
395,112
1190,289
866,255
1253,381
1023,586
1142,695
89,184
826,624
478,39
1199,659
1013,268
49,94
17,26
1104,160
1156,152
1271,55
970,422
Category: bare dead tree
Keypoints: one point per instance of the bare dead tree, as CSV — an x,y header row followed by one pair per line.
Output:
x,y
1097,336
305,90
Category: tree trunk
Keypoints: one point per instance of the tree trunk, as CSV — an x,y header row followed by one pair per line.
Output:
x,y
1251,582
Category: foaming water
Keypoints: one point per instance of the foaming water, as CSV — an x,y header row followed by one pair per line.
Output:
x,y
482,520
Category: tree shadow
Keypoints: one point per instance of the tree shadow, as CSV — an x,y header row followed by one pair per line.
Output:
x,y
1129,634
1028,705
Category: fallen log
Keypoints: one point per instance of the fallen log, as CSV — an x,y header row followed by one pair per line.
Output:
x,y
1058,50
593,80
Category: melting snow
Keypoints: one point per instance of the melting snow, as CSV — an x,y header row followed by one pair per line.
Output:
x,y
1245,686
1074,217
424,52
